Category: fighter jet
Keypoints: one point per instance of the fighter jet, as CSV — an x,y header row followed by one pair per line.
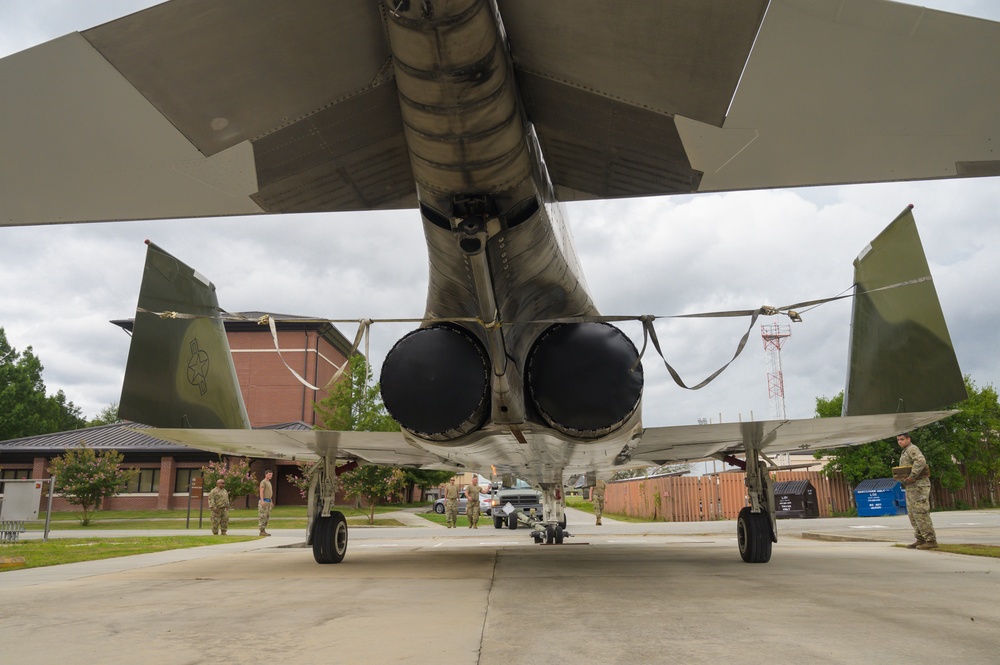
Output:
x,y
483,116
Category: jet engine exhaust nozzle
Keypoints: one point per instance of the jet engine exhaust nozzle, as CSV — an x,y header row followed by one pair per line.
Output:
x,y
436,383
580,378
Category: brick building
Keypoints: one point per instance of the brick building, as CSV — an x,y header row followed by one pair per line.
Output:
x,y
274,398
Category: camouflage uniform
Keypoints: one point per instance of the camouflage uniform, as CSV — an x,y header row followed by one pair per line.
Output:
x,y
918,494
472,507
218,502
451,504
598,500
265,505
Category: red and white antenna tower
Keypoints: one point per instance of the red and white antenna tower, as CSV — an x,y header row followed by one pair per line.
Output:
x,y
774,336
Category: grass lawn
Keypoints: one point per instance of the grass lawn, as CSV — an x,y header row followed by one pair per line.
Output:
x,y
463,521
72,550
282,517
971,550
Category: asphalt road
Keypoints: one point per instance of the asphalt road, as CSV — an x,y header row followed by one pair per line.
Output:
x,y
619,593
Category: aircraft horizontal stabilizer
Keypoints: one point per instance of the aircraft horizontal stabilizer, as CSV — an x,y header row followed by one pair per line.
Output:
x,y
901,356
662,445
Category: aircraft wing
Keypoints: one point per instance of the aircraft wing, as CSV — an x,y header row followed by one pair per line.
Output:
x,y
662,445
193,109
388,448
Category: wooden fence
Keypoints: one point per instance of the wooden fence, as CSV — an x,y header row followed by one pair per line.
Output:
x,y
720,496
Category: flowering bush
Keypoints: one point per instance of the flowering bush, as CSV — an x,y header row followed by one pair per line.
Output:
x,y
301,480
239,480
85,477
374,483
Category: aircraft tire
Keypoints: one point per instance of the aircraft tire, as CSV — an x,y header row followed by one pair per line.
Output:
x,y
329,539
497,522
559,535
753,533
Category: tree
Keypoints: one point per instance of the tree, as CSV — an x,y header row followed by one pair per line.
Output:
x,y
373,483
970,438
25,409
301,479
856,463
425,478
86,477
355,404
107,416
239,480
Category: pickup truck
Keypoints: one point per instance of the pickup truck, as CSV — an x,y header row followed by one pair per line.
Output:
x,y
521,496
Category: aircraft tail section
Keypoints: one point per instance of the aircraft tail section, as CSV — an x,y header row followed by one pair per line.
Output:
x,y
901,355
180,369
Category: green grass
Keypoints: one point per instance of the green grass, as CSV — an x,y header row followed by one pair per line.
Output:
x,y
969,549
72,550
463,521
282,517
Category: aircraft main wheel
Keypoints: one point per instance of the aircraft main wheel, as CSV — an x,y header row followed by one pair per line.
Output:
x,y
753,532
330,538
512,521
550,534
559,535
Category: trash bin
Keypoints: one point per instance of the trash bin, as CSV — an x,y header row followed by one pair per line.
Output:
x,y
795,498
880,496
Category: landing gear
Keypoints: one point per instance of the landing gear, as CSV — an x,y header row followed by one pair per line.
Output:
x,y
497,522
327,529
552,528
756,526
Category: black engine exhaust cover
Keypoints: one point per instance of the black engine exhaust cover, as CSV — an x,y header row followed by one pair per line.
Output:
x,y
581,379
436,384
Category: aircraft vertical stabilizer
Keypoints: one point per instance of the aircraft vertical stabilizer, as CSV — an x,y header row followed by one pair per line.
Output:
x,y
180,370
901,355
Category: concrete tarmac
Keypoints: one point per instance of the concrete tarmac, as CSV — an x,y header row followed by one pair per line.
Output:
x,y
619,593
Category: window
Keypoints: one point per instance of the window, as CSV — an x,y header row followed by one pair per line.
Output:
x,y
14,474
184,478
147,481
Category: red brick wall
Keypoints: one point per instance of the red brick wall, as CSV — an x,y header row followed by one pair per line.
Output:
x,y
271,392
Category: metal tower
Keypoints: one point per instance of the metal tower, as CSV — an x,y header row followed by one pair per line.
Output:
x,y
774,336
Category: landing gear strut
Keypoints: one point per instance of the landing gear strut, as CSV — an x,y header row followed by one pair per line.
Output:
x,y
327,528
551,529
756,526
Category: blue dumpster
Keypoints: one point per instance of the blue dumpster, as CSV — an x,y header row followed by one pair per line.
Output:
x,y
880,496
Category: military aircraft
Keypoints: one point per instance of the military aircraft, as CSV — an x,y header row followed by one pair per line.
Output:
x,y
484,116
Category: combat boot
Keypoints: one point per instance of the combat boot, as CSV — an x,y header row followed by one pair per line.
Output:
x,y
264,533
215,532
598,521
929,545
915,544
223,532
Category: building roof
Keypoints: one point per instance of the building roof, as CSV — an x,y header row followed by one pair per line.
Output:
x,y
122,437
249,322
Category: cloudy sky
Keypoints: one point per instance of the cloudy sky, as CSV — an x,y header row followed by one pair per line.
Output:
x,y
60,285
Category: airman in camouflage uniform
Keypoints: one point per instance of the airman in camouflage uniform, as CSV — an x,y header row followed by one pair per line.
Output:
x,y
218,503
918,493
598,500
265,504
472,507
451,503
